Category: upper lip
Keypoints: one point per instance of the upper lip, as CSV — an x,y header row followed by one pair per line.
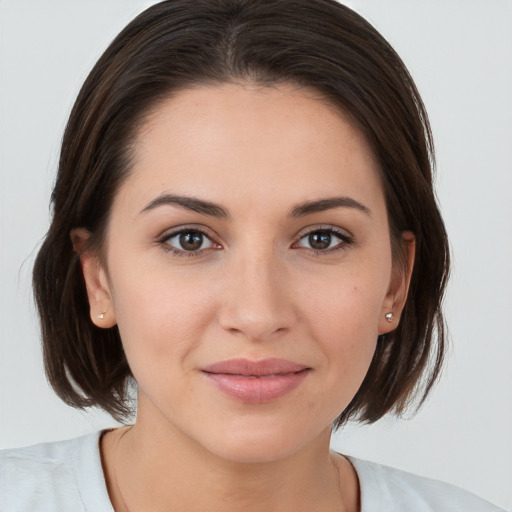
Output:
x,y
247,367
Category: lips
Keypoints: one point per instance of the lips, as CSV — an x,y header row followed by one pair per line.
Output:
x,y
256,382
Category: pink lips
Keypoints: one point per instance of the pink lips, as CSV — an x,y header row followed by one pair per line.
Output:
x,y
256,382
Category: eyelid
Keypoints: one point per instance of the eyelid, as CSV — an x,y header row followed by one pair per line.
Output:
x,y
169,232
345,236
172,232
342,232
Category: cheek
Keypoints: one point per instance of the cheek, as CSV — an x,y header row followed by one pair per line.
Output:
x,y
342,316
157,316
347,306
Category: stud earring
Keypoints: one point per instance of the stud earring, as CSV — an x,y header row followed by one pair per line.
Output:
x,y
102,314
389,316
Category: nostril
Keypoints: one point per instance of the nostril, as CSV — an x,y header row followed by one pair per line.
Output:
x,y
254,330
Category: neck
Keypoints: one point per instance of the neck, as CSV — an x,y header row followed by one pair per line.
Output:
x,y
157,469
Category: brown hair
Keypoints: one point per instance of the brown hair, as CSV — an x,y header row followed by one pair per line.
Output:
x,y
177,44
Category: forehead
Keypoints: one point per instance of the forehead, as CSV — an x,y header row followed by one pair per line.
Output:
x,y
256,141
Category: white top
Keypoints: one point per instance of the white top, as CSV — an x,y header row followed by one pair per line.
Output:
x,y
67,476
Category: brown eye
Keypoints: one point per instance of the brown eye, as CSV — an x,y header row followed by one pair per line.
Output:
x,y
190,240
324,240
320,240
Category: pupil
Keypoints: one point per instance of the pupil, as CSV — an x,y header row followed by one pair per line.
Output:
x,y
320,240
191,241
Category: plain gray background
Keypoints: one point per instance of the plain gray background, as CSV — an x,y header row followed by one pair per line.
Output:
x,y
460,54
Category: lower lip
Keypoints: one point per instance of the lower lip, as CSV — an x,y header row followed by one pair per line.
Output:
x,y
257,390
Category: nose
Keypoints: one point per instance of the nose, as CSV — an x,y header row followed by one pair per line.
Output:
x,y
257,298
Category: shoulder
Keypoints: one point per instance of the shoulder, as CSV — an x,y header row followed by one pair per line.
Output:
x,y
393,490
48,477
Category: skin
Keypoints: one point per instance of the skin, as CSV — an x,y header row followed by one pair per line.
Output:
x,y
255,289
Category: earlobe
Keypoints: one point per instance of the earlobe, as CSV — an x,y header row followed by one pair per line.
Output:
x,y
399,286
96,282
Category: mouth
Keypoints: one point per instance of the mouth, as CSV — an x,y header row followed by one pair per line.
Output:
x,y
256,382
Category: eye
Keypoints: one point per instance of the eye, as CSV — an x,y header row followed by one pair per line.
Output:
x,y
188,240
323,240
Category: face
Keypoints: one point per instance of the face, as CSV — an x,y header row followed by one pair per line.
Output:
x,y
248,268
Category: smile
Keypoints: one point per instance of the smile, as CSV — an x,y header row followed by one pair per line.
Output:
x,y
256,382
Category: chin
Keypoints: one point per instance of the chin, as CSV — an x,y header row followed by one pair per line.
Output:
x,y
262,451
263,442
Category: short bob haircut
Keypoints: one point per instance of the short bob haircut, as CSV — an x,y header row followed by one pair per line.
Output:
x,y
179,44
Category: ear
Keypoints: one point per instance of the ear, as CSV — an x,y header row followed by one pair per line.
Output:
x,y
96,282
396,296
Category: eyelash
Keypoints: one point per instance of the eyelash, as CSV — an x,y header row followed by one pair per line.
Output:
x,y
345,241
164,242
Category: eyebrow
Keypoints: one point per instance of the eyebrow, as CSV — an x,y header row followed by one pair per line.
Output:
x,y
215,210
190,203
321,205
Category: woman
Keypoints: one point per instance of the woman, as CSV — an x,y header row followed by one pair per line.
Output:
x,y
244,224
